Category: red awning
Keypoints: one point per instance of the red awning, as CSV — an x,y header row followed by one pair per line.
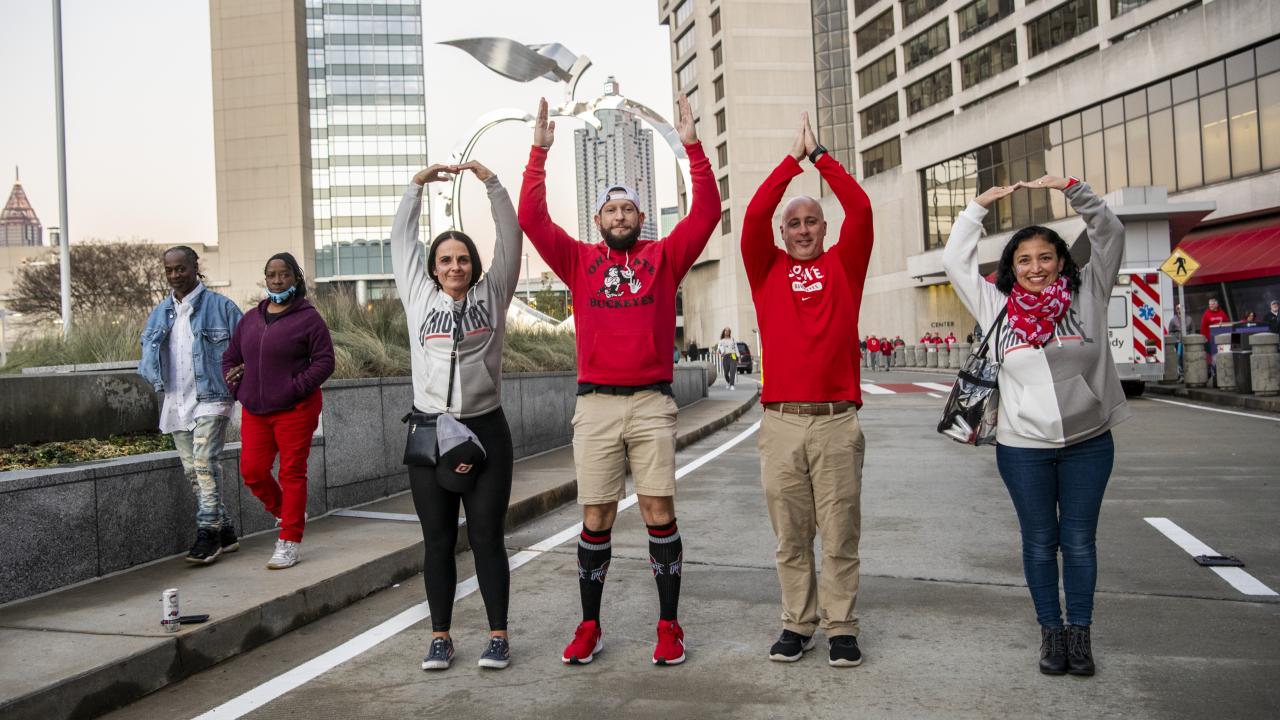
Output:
x,y
1235,255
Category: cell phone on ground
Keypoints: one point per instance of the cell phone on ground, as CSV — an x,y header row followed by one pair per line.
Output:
x,y
1219,561
192,619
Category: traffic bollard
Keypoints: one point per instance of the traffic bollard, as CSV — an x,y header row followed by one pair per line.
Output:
x,y
1171,357
953,357
921,351
1224,364
1195,366
1265,363
931,357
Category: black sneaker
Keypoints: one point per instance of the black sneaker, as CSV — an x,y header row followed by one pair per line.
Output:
x,y
207,549
790,647
844,651
1079,650
1053,650
497,655
439,655
227,537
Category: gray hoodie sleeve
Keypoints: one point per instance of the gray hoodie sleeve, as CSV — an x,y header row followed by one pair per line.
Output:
x,y
506,251
412,282
1106,238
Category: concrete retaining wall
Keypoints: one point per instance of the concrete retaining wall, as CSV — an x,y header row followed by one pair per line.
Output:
x,y
64,525
65,406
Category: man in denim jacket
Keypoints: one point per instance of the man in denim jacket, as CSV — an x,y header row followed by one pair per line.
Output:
x,y
182,348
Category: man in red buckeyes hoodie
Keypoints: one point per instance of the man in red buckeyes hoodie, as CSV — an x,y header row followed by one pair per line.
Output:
x,y
811,444
624,291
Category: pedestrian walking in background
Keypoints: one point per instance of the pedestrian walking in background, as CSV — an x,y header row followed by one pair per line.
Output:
x,y
898,341
1215,315
862,352
950,340
457,316
182,346
727,350
811,443
873,350
1273,318
886,349
280,354
1060,396
624,302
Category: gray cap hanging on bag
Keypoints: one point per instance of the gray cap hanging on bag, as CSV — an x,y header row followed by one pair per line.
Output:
x,y
460,455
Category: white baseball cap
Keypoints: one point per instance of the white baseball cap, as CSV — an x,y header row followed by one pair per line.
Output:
x,y
617,192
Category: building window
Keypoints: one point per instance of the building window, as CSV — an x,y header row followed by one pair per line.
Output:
x,y
882,157
861,6
684,43
833,78
1120,7
913,10
715,22
880,115
874,32
980,14
934,88
717,86
1068,20
877,73
726,225
724,187
686,75
1217,122
692,94
989,60
717,56
721,124
684,11
926,45
722,154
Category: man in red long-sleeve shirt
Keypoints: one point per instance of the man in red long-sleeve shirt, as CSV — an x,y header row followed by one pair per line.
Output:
x,y
811,444
624,293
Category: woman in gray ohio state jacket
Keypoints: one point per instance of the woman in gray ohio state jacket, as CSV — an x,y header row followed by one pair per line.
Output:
x,y
1059,398
452,299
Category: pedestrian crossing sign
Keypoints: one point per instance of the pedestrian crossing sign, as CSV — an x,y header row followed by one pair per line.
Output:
x,y
1180,266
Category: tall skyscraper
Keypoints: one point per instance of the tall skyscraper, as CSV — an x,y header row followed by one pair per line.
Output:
x,y
18,222
619,152
945,98
368,131
319,120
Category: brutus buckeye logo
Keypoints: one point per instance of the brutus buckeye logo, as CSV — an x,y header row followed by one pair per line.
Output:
x,y
614,278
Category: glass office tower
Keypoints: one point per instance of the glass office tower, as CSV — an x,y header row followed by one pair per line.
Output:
x,y
368,132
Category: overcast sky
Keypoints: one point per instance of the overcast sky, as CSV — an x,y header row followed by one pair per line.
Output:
x,y
140,116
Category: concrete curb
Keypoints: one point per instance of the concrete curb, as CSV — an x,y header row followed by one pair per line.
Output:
x,y
1217,397
123,680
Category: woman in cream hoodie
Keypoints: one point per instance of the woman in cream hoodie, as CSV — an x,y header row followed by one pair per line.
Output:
x,y
1059,397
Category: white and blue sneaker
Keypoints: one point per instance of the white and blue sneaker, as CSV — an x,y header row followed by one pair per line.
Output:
x,y
439,655
498,655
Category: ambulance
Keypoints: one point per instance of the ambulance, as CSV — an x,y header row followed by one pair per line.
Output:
x,y
1135,328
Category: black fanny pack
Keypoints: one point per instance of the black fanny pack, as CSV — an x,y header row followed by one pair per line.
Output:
x,y
420,446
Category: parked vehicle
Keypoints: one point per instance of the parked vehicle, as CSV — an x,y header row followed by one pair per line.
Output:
x,y
745,363
1135,322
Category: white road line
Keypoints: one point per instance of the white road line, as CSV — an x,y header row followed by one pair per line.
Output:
x,y
1237,577
1217,410
876,390
371,515
934,386
261,695
935,395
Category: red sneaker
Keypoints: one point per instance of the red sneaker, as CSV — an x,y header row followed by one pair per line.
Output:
x,y
670,649
587,641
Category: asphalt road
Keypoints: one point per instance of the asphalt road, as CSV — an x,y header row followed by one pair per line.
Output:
x,y
947,625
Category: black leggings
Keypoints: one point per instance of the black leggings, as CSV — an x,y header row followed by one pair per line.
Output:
x,y
486,506
730,367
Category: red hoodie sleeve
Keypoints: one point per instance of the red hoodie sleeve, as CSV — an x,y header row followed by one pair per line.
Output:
x,y
758,249
856,233
690,235
557,247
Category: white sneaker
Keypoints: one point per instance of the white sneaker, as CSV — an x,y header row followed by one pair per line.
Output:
x,y
285,555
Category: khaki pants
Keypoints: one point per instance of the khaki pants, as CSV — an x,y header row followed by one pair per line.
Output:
x,y
610,431
811,467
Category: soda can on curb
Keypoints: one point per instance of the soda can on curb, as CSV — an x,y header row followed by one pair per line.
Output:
x,y
169,613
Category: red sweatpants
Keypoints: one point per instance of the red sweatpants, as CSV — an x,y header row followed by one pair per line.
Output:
x,y
288,433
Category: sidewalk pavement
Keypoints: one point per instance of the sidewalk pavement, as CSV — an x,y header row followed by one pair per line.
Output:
x,y
1224,398
81,651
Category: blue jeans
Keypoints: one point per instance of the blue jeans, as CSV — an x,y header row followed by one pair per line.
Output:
x,y
1057,493
199,450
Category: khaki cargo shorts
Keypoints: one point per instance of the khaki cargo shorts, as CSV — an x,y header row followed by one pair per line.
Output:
x,y
610,431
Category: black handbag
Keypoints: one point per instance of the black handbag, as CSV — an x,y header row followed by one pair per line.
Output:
x,y
973,407
421,447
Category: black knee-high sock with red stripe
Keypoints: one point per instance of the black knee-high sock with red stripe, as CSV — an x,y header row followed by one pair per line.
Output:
x,y
666,558
595,547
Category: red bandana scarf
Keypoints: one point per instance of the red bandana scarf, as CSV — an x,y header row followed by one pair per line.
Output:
x,y
1034,315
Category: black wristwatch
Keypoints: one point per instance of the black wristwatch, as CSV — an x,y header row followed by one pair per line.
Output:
x,y
817,153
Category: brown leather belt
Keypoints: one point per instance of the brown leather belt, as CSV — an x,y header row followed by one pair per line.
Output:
x,y
805,408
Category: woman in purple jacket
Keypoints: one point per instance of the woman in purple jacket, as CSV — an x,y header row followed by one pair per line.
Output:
x,y
279,356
